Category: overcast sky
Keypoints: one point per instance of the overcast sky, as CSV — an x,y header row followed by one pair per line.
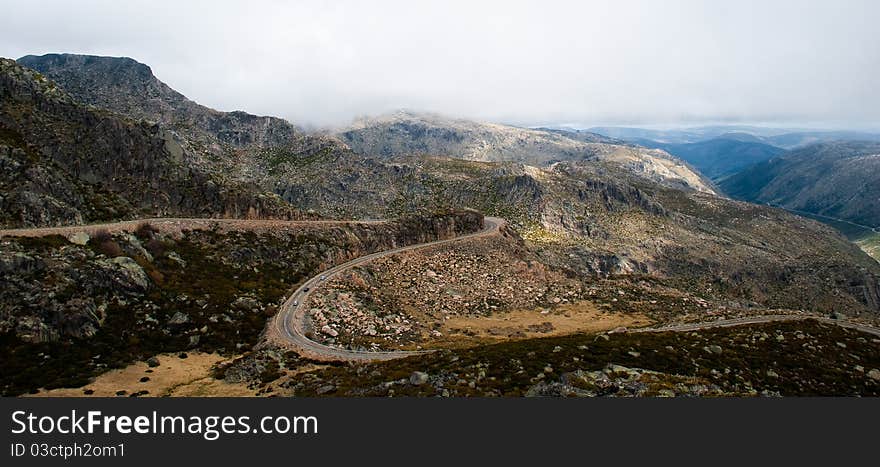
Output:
x,y
540,62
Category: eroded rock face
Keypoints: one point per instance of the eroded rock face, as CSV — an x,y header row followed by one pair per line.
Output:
x,y
127,87
63,294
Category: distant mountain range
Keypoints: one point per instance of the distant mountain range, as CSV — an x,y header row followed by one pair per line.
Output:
x,y
830,175
779,137
721,156
839,180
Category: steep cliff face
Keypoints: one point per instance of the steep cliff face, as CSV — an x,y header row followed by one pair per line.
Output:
x,y
131,295
68,163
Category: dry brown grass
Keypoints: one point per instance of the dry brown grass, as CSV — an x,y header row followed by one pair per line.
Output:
x,y
174,376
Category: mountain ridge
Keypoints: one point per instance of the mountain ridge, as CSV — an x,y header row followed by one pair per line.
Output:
x,y
786,138
102,165
405,132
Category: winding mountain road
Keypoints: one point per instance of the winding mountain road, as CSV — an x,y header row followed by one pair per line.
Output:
x,y
289,323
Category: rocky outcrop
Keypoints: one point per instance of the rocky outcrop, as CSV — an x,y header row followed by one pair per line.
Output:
x,y
620,381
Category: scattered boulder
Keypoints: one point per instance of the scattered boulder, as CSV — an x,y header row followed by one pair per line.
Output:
x,y
246,304
173,256
179,318
79,238
418,378
127,273
152,362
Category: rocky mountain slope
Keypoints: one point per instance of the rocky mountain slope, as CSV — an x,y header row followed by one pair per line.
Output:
x,y
787,359
597,218
128,87
408,133
219,141
247,147
871,245
67,163
83,304
786,138
839,180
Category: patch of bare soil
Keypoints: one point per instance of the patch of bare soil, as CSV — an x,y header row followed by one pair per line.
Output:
x,y
581,316
174,376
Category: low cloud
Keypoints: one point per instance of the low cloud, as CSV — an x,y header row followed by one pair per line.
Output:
x,y
601,62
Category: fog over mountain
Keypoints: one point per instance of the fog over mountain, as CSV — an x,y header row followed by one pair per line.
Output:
x,y
527,63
